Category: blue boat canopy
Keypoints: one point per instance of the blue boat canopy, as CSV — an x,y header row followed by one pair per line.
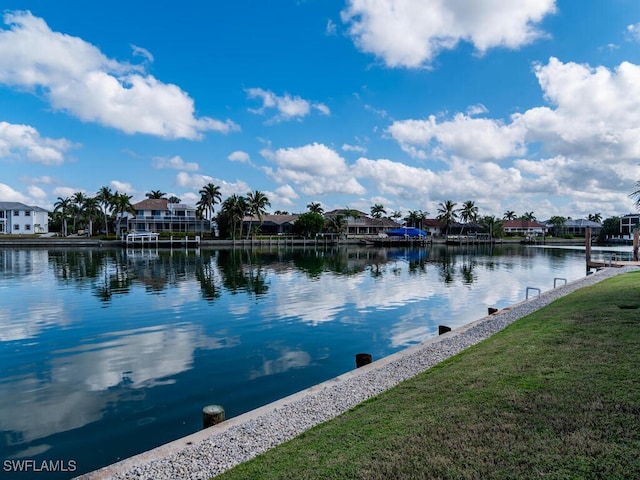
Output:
x,y
407,232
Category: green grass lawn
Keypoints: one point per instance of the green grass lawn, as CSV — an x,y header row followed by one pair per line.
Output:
x,y
555,395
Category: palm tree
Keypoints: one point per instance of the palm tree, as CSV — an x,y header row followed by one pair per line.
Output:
x,y
336,224
209,196
155,194
558,225
315,207
174,199
91,211
63,205
104,198
77,207
395,215
636,195
493,226
121,205
257,203
468,212
509,215
528,216
377,210
232,212
596,217
447,214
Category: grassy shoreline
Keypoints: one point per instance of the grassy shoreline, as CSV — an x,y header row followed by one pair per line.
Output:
x,y
554,395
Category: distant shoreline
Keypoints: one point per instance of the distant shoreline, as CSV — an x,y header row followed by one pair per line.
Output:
x,y
31,241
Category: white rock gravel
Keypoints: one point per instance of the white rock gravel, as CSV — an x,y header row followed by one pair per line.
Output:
x,y
218,448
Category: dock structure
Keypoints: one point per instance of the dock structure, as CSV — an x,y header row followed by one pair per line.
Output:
x,y
611,262
135,237
142,239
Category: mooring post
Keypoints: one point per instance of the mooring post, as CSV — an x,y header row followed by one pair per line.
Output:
x,y
363,359
587,233
636,235
443,329
212,415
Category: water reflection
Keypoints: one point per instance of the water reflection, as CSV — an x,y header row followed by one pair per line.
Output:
x,y
99,345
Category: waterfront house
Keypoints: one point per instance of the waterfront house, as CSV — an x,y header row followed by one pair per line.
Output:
x,y
18,218
159,215
271,224
359,224
525,228
578,227
628,223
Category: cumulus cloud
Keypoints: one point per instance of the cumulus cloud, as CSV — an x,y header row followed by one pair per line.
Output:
x,y
584,140
463,136
632,32
176,163
196,181
19,140
239,156
353,148
77,78
315,168
411,33
287,107
8,194
122,187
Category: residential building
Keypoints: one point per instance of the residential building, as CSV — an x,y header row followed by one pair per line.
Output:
x,y
578,227
361,224
272,224
19,219
628,223
158,215
524,227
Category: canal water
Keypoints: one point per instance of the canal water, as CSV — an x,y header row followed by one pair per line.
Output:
x,y
106,353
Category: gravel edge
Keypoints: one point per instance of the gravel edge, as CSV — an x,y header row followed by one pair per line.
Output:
x,y
222,447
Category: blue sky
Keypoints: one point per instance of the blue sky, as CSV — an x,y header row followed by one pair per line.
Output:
x,y
528,105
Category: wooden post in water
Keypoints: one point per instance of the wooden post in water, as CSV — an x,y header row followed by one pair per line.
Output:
x,y
636,236
212,415
363,359
587,233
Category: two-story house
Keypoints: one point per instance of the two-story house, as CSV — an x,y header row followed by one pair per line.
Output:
x,y
158,215
18,218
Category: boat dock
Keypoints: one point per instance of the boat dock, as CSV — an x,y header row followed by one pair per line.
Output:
x,y
149,239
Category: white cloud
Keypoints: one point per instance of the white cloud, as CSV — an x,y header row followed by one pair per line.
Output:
x,y
632,33
594,112
411,33
477,138
315,168
287,107
8,194
25,140
239,156
176,163
353,148
77,78
331,28
142,52
197,181
36,192
122,187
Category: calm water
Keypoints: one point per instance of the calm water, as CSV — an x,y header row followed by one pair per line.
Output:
x,y
107,353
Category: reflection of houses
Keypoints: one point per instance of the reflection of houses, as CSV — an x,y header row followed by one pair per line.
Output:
x,y
18,218
524,227
628,223
359,223
158,215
